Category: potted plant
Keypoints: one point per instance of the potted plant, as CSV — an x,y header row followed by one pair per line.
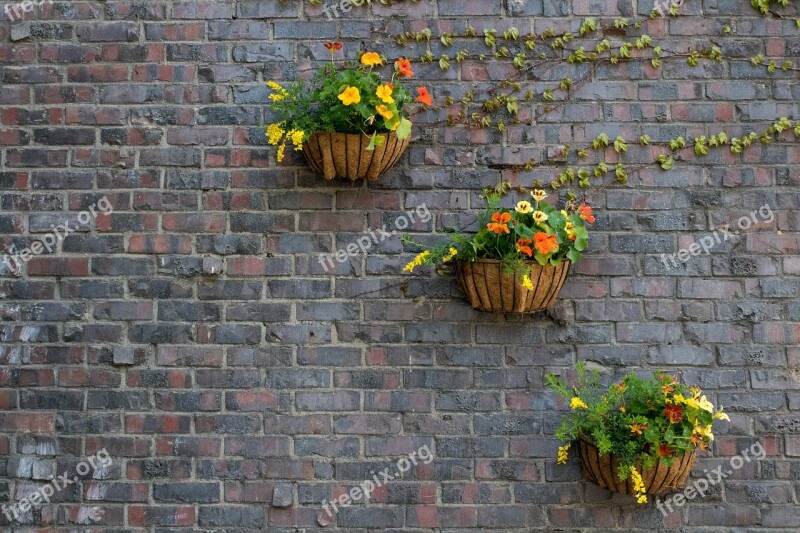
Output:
x,y
348,123
638,436
519,258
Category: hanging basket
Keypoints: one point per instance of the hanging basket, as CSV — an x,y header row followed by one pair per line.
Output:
x,y
602,469
488,288
345,155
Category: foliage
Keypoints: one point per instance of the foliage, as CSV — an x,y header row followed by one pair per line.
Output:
x,y
348,100
639,421
532,230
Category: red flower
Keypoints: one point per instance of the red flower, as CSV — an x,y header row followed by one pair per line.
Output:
x,y
333,47
424,97
404,68
586,213
499,225
522,247
545,243
664,451
674,413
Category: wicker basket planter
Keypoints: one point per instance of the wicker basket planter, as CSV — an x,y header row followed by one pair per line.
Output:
x,y
602,469
488,288
345,155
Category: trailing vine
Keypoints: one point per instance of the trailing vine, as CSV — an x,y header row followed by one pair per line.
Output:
x,y
531,57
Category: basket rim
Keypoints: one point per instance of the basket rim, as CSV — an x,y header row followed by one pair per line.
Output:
x,y
360,133
497,261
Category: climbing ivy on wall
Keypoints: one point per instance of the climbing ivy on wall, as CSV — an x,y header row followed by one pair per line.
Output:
x,y
615,43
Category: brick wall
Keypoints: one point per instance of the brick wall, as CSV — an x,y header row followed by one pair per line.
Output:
x,y
194,336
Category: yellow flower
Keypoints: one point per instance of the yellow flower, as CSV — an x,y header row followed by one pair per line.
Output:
x,y
538,195
275,87
417,261
453,252
281,152
577,403
527,283
371,59
539,216
705,404
279,94
350,96
275,134
523,207
691,402
719,415
638,486
384,93
563,454
297,139
703,431
384,112
637,428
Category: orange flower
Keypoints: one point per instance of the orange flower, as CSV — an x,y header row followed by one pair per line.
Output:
x,y
522,247
637,428
404,68
586,213
424,97
499,225
333,47
544,243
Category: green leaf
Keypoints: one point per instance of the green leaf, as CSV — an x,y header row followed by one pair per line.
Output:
x,y
511,34
375,141
588,25
581,241
512,106
488,37
404,129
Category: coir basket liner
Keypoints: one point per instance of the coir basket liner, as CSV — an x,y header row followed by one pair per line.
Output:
x,y
488,288
345,155
602,469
